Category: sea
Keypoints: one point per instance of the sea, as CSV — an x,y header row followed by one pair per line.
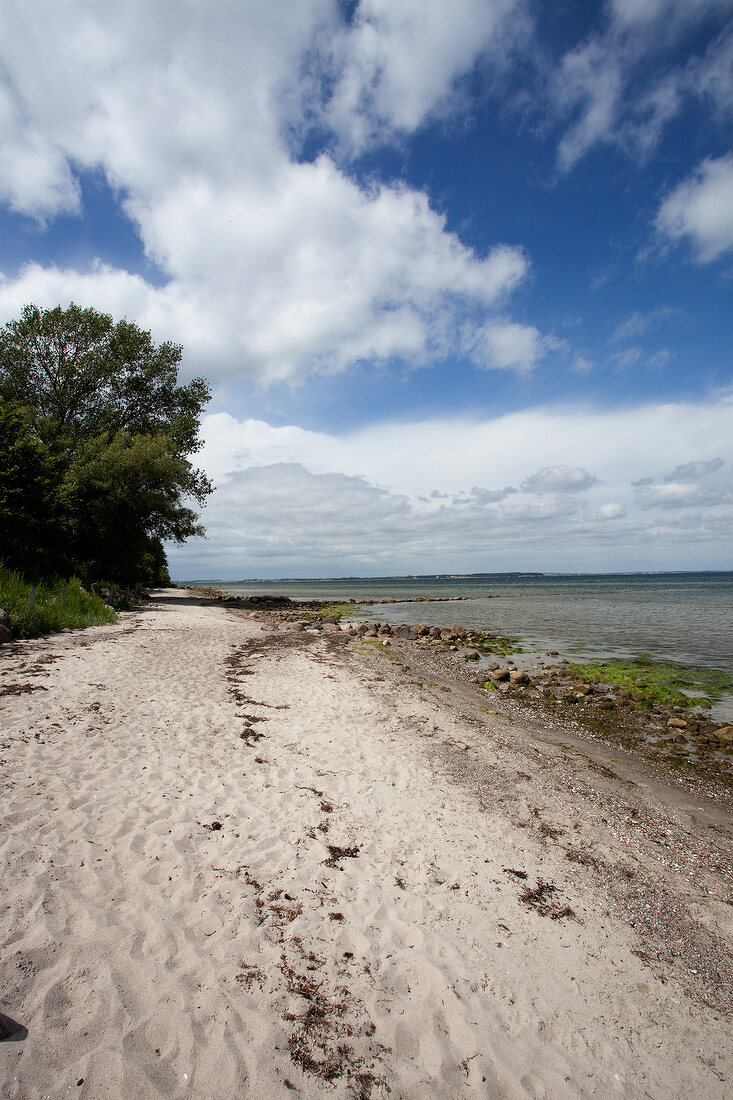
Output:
x,y
686,618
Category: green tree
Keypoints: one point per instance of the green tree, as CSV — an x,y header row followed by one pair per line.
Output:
x,y
121,498
101,406
29,509
84,374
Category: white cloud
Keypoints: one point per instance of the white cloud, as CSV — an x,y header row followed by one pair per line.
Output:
x,y
691,471
679,496
271,267
399,62
638,322
626,81
559,479
35,178
506,345
403,498
609,511
700,208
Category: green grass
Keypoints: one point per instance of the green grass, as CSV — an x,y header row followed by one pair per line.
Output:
x,y
56,604
658,681
313,612
488,644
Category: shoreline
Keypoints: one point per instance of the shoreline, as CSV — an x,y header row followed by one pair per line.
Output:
x,y
247,859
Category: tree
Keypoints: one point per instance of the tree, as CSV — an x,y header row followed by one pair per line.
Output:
x,y
85,375
121,498
29,478
108,431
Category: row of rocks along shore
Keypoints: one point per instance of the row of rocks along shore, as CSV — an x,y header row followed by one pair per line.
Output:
x,y
682,735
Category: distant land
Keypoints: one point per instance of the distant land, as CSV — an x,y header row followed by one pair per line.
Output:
x,y
431,577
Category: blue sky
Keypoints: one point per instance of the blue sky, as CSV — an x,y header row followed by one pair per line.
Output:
x,y
459,275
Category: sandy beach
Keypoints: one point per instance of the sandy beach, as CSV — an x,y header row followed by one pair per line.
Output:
x,y
241,860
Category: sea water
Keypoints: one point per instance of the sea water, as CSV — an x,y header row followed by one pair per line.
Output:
x,y
681,617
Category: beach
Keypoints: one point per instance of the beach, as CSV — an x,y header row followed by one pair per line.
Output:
x,y
240,859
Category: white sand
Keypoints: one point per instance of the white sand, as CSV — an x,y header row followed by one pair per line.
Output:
x,y
150,955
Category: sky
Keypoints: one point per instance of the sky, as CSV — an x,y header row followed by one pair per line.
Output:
x,y
459,274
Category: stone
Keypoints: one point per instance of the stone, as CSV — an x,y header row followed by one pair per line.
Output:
x,y
434,631
499,675
724,733
403,631
5,635
421,630
518,676
328,625
677,724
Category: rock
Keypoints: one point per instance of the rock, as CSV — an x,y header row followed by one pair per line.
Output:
x,y
421,630
4,617
329,625
5,635
724,733
403,631
518,676
362,628
499,675
370,633
434,631
677,724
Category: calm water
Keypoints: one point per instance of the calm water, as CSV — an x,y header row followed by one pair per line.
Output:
x,y
685,617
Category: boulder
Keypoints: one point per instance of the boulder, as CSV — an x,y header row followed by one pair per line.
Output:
x,y
677,724
518,676
5,635
434,632
498,675
421,630
725,734
403,631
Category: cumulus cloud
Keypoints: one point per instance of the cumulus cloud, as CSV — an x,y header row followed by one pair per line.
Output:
x,y
271,265
700,210
505,345
559,479
691,471
404,499
676,495
396,64
609,511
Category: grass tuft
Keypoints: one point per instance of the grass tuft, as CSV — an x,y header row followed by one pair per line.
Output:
x,y
49,606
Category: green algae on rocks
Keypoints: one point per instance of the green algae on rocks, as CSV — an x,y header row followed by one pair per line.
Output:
x,y
648,681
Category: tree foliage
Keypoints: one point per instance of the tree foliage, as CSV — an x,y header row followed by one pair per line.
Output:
x,y
95,434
